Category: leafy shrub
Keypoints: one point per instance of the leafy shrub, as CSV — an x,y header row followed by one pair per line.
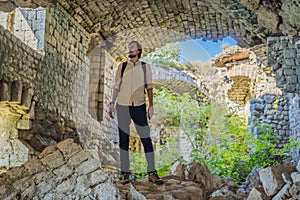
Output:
x,y
222,141
239,152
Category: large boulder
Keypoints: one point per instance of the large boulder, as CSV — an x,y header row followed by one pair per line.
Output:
x,y
271,177
199,173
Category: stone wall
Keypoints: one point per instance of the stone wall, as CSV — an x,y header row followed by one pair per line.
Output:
x,y
96,80
3,19
68,94
57,84
109,125
13,151
26,24
30,26
65,70
19,78
294,114
19,61
65,171
271,110
238,78
284,56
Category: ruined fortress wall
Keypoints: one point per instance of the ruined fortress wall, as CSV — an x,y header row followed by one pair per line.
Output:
x,y
58,79
271,110
281,112
18,62
284,56
65,70
19,78
66,45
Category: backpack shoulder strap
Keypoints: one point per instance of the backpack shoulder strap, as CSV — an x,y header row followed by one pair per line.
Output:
x,y
144,70
124,64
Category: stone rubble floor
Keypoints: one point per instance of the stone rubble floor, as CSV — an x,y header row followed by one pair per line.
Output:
x,y
173,188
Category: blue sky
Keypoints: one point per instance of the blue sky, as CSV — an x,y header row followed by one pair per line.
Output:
x,y
198,50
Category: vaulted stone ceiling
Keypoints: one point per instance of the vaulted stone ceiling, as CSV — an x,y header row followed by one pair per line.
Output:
x,y
113,23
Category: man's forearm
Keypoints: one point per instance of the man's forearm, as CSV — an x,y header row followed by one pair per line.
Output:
x,y
114,96
150,96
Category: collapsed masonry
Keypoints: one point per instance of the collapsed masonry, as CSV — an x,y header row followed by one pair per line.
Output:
x,y
59,77
66,171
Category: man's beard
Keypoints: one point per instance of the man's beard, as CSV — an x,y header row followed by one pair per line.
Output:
x,y
132,56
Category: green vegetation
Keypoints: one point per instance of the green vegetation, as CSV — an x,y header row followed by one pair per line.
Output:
x,y
220,140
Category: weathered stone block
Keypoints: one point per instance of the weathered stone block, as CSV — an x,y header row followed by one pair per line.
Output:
x,y
33,166
268,19
251,4
295,177
177,169
298,166
30,191
44,187
290,54
62,172
66,186
289,72
78,158
292,79
135,195
88,166
17,173
4,92
201,174
271,180
68,148
283,193
295,190
220,195
98,177
21,184
53,160
258,193
24,124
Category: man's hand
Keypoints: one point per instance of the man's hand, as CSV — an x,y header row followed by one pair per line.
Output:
x,y
112,111
150,112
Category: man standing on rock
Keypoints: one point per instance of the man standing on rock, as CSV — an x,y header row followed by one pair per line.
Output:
x,y
132,79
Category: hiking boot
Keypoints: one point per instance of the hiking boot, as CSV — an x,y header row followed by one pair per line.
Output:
x,y
154,178
125,178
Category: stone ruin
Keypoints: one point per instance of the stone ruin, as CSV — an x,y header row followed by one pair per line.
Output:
x,y
67,171
56,68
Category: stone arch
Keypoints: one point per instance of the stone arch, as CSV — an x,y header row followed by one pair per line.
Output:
x,y
174,79
242,81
